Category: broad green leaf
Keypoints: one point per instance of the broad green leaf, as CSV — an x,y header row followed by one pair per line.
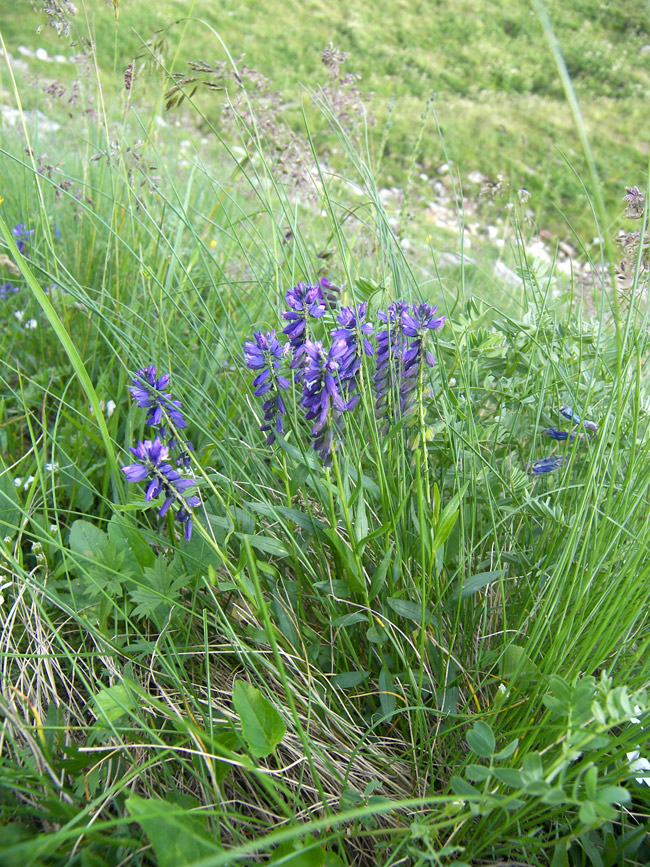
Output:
x,y
114,702
480,739
472,585
409,610
477,773
178,837
349,679
303,852
515,659
88,540
261,724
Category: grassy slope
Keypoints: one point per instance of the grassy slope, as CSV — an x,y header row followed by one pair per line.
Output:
x,y
498,98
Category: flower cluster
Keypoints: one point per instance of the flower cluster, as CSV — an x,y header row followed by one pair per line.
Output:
x,y
154,455
402,356
328,372
265,354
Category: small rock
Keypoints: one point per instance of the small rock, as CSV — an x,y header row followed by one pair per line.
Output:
x,y
492,232
476,177
443,169
405,244
506,275
26,52
41,54
645,49
567,249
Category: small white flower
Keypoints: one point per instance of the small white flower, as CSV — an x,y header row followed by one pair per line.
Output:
x,y
19,314
54,528
31,324
637,763
28,482
110,408
17,482
52,467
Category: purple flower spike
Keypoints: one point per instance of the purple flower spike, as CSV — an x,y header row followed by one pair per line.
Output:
x,y
568,413
266,354
546,465
147,392
152,463
321,395
306,301
350,342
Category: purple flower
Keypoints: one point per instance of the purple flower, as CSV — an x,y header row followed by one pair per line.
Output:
x,y
22,235
352,334
546,465
265,354
153,464
401,354
147,392
568,413
7,290
561,435
329,291
306,301
321,395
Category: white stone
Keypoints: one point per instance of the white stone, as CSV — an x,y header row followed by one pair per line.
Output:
x,y
506,275
26,52
443,169
41,54
405,244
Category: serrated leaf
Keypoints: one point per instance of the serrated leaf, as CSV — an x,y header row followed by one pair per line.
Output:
x,y
114,702
261,724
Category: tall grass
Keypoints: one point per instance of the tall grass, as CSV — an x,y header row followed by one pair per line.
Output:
x,y
423,654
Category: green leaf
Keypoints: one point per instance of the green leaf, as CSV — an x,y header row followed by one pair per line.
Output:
x,y
507,751
349,679
447,519
509,776
515,659
178,838
113,703
262,726
87,540
159,590
480,739
302,852
472,585
386,691
10,511
462,787
409,610
379,575
477,773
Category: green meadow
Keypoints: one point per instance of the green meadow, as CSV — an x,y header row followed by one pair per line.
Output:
x,y
324,448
